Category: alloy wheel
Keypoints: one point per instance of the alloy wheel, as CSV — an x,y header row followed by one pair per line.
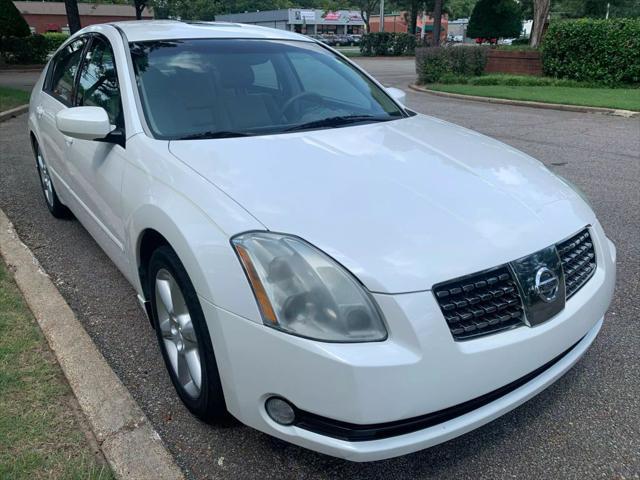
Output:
x,y
45,178
178,334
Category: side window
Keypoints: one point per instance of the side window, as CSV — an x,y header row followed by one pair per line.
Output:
x,y
265,75
98,82
65,66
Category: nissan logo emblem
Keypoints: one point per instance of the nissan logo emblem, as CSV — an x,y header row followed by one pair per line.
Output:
x,y
547,284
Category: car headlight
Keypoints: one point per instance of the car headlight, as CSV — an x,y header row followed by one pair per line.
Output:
x,y
302,291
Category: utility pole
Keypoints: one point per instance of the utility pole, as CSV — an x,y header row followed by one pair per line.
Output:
x,y
381,16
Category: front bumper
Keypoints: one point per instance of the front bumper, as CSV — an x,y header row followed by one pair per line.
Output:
x,y
419,369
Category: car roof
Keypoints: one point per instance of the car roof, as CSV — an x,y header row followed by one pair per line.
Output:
x,y
141,30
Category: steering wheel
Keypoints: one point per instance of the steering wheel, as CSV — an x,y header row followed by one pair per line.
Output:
x,y
296,98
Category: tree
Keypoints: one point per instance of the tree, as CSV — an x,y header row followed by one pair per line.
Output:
x,y
459,8
495,19
437,21
540,14
595,8
11,22
366,7
73,15
139,5
412,21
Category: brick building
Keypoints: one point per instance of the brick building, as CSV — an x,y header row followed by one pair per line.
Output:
x,y
397,22
52,16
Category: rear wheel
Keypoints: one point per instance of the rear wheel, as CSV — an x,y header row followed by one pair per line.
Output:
x,y
54,204
184,338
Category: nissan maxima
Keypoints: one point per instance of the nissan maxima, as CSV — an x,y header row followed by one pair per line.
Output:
x,y
318,260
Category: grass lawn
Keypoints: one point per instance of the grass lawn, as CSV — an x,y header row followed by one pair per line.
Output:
x,y
10,98
349,51
621,98
40,436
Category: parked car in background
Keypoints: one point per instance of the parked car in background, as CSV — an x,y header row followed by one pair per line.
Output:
x,y
342,41
328,39
317,260
488,41
318,38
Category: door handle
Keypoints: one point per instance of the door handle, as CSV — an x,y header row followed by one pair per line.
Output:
x,y
68,141
39,111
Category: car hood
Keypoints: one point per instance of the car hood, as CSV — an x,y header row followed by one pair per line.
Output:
x,y
402,204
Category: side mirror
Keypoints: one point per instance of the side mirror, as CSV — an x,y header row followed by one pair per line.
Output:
x,y
397,94
86,123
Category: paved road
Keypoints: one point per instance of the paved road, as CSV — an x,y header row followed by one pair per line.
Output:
x,y
587,425
22,80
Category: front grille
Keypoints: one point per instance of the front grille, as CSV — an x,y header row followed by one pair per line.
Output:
x,y
481,303
578,261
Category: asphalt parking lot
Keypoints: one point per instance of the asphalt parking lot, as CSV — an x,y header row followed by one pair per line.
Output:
x,y
587,425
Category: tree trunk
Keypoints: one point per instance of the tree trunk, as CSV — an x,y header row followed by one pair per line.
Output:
x,y
365,19
437,22
540,14
413,17
139,9
73,15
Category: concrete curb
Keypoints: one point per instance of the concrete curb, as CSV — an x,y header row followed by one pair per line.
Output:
x,y
128,441
21,68
14,112
526,103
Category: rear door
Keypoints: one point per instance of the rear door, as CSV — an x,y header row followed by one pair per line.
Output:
x,y
58,93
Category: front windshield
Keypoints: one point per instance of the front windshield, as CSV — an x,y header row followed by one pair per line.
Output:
x,y
214,88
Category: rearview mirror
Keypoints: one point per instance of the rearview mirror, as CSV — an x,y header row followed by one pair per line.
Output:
x,y
397,94
86,123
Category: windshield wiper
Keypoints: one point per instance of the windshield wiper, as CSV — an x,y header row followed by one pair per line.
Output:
x,y
338,121
214,134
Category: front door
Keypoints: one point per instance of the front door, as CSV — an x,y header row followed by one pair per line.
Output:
x,y
96,168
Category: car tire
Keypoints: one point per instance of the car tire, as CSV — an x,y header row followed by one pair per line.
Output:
x,y
54,204
184,338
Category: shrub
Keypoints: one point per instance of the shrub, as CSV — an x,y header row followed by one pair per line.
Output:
x,y
11,22
387,43
515,81
434,63
604,51
24,51
495,19
54,40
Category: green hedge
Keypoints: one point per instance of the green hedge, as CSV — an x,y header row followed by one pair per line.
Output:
x,y
25,50
605,51
54,40
514,81
434,63
387,43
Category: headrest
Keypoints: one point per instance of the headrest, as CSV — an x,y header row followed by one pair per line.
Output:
x,y
236,75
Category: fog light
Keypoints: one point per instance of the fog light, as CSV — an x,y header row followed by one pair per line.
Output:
x,y
280,411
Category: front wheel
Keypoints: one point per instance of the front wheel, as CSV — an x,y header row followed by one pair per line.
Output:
x,y
184,338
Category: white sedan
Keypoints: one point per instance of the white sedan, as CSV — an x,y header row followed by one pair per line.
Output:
x,y
318,261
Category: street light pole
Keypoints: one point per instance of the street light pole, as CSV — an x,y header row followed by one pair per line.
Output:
x,y
382,15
